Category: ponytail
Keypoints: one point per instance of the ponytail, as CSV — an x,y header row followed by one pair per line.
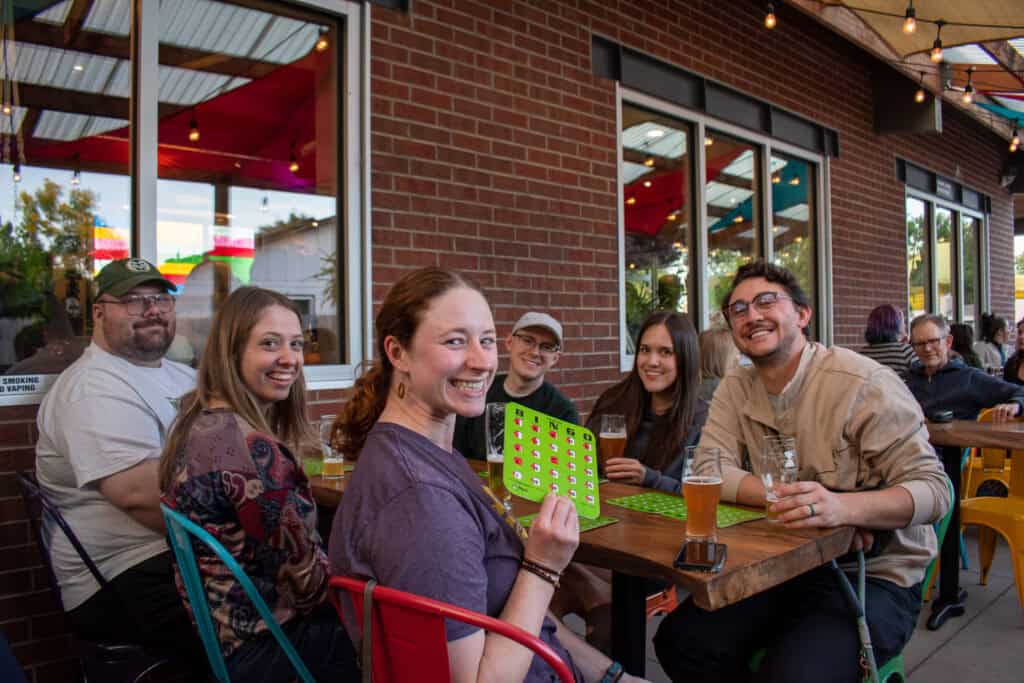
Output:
x,y
360,412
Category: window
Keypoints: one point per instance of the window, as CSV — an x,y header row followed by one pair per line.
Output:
x,y
255,175
682,243
943,259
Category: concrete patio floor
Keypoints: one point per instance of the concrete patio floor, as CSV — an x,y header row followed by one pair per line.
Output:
x,y
985,644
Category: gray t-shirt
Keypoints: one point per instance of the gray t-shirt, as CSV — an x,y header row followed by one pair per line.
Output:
x,y
103,415
415,517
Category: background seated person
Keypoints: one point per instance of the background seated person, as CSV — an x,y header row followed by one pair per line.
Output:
x,y
886,335
534,346
416,517
659,399
717,354
1014,369
864,461
940,382
229,466
991,348
963,344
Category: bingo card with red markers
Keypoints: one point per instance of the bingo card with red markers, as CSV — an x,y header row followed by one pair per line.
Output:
x,y
545,455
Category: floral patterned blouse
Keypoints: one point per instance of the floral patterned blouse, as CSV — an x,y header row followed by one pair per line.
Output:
x,y
247,490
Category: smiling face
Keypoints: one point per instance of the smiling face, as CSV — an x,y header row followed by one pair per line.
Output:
x,y
656,365
142,339
768,335
451,358
272,359
526,360
931,346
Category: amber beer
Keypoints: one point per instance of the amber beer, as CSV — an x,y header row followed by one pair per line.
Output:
x,y
333,468
496,474
610,445
702,494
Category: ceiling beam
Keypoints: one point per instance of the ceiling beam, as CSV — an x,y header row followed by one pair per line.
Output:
x,y
76,19
117,47
1008,58
87,103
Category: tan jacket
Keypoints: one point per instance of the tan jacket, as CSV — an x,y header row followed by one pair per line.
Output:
x,y
857,428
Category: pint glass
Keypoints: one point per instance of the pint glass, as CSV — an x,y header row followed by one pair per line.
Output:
x,y
611,441
702,488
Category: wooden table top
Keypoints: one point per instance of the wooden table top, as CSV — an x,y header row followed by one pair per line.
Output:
x,y
973,434
761,554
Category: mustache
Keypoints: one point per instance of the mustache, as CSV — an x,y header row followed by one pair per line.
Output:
x,y
149,323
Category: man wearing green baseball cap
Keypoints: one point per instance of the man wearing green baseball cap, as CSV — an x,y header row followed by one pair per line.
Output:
x,y
101,432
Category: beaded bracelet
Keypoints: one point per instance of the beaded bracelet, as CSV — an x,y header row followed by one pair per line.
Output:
x,y
613,674
540,571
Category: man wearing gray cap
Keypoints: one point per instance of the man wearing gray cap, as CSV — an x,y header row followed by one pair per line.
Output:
x,y
533,348
101,431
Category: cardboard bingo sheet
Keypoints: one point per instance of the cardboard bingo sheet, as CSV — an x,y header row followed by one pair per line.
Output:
x,y
545,455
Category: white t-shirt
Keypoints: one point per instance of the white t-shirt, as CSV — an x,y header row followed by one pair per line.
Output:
x,y
103,415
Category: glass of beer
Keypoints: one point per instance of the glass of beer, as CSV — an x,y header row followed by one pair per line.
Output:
x,y
611,441
334,461
778,466
702,487
494,430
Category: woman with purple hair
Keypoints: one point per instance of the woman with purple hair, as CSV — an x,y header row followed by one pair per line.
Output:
x,y
886,335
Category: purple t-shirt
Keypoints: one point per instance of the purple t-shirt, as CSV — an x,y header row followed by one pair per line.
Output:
x,y
415,517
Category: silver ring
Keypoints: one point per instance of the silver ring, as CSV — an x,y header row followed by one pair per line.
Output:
x,y
811,508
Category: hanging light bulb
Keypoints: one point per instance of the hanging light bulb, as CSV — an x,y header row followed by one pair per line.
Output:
x,y
769,19
193,129
920,94
7,109
649,162
968,96
936,54
1015,140
708,141
321,42
76,177
293,164
265,204
910,19
17,172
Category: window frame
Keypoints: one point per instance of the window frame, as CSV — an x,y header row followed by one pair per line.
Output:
x,y
353,238
765,146
932,203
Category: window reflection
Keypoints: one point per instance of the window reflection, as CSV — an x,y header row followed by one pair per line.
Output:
x,y
658,213
247,161
944,262
733,208
794,218
969,240
917,257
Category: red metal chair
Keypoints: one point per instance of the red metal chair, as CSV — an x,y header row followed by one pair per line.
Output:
x,y
409,642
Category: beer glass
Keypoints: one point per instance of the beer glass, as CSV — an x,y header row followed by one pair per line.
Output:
x,y
778,466
494,428
702,488
611,441
334,461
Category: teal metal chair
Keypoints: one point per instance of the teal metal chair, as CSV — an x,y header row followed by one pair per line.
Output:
x,y
891,671
179,530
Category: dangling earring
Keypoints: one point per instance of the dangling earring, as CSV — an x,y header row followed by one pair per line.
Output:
x,y
401,390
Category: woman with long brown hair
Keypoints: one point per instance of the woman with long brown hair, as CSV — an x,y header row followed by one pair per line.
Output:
x,y
416,517
229,465
659,400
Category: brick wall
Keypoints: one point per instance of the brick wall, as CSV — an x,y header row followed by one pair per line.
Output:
x,y
493,152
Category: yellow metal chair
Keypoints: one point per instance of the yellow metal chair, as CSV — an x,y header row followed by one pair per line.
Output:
x,y
985,464
1004,516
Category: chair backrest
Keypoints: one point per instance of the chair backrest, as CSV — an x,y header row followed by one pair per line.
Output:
x,y
408,634
43,514
179,531
992,459
941,529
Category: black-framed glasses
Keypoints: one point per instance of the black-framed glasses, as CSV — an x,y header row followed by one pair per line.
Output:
x,y
925,343
532,344
137,304
765,301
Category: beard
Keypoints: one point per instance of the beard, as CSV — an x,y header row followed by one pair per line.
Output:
x,y
148,340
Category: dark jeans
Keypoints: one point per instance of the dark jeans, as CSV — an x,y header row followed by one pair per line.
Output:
x,y
321,641
142,606
807,626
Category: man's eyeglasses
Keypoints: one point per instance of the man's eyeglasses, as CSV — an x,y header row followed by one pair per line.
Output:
x,y
531,343
765,301
925,343
136,304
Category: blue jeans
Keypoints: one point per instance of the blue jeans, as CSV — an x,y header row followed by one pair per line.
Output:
x,y
806,625
321,641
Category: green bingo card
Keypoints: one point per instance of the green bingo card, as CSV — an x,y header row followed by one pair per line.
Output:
x,y
544,455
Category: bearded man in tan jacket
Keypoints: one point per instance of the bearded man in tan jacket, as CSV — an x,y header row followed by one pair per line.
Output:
x,y
864,461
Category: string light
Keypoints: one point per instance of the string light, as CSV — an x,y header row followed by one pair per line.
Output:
x,y
76,177
968,96
910,19
17,172
649,162
7,109
1016,136
293,163
920,94
321,43
769,19
193,129
708,141
265,204
936,54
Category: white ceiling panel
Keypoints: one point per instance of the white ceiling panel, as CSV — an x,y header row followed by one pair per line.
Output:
x,y
10,124
109,16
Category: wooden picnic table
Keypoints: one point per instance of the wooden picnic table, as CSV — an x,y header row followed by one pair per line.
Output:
x,y
642,546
